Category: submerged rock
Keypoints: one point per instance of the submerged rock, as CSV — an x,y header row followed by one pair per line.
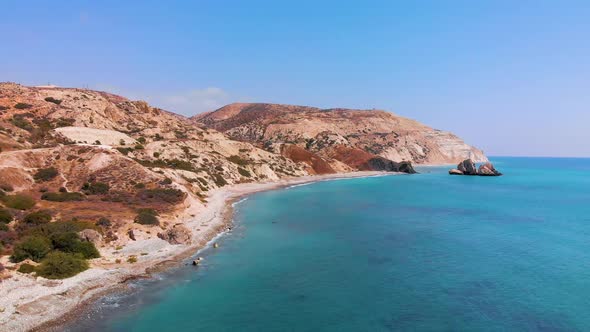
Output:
x,y
488,169
455,171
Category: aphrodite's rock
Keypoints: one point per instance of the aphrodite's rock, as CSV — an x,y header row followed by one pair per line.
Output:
x,y
455,171
178,234
90,235
467,166
488,169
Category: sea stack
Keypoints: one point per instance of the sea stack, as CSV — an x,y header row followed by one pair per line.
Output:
x,y
488,169
467,167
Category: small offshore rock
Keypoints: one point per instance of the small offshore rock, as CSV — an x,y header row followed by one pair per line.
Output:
x,y
488,169
455,171
467,166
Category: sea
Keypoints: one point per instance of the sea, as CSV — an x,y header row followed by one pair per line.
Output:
x,y
423,252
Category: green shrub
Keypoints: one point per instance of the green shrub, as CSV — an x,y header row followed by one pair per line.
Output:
x,y
179,134
5,216
238,160
22,106
26,268
142,140
166,181
31,247
70,242
103,222
147,217
87,250
53,100
219,180
139,186
125,151
64,122
22,123
138,147
156,154
168,163
132,259
49,229
61,265
4,228
244,172
37,218
63,197
18,201
171,196
45,174
95,188
65,242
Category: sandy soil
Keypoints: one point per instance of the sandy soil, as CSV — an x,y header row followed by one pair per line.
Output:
x,y
28,302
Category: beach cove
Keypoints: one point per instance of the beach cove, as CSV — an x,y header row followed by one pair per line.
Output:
x,y
423,252
27,304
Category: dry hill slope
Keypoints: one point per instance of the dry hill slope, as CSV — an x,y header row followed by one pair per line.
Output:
x,y
330,133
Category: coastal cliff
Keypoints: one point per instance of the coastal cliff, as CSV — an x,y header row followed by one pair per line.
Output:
x,y
329,134
143,184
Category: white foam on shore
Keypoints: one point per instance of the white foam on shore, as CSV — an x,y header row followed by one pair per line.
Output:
x,y
299,185
240,201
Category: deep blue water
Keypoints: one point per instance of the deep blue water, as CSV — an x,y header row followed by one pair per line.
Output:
x,y
426,252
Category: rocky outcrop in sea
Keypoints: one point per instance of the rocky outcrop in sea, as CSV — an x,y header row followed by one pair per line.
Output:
x,y
467,167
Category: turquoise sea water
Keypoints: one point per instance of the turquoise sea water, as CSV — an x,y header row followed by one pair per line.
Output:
x,y
426,252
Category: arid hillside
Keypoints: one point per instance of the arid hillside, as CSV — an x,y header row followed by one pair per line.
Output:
x,y
338,135
118,171
78,160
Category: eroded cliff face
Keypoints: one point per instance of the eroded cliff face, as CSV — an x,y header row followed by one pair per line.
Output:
x,y
323,132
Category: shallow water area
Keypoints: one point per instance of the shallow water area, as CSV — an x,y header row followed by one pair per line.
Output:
x,y
413,252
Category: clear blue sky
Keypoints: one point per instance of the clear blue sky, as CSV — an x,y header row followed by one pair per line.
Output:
x,y
511,77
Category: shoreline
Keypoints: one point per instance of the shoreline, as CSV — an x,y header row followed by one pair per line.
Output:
x,y
55,309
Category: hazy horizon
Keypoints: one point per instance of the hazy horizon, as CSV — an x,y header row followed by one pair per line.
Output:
x,y
507,77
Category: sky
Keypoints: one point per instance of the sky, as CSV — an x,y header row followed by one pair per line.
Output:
x,y
510,77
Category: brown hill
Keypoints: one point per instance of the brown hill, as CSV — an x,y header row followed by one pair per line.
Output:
x,y
146,157
326,133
